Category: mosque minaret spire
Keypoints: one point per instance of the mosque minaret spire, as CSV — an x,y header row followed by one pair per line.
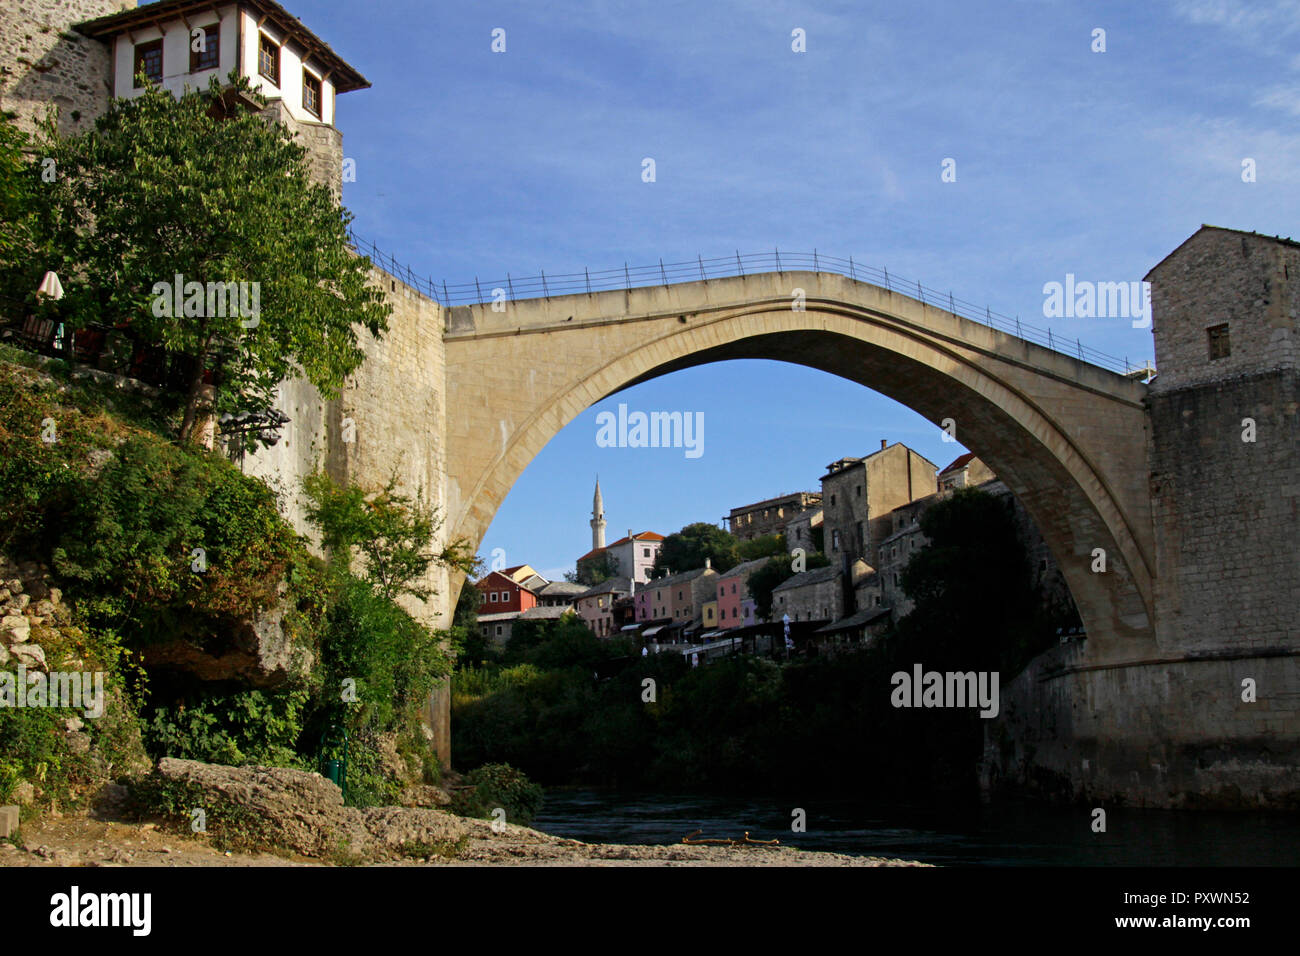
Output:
x,y
597,519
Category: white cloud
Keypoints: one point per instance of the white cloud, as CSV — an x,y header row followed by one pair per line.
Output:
x,y
1286,98
1256,21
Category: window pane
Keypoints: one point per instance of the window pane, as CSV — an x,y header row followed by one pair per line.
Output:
x,y
311,93
268,59
209,56
148,60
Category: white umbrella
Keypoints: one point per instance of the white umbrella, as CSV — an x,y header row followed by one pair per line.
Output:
x,y
51,286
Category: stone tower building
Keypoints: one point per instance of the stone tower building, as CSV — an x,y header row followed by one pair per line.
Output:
x,y
597,520
1227,426
1205,713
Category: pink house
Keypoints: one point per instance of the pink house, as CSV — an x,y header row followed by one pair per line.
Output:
x,y
735,606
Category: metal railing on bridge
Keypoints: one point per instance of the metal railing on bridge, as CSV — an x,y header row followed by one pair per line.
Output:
x,y
669,273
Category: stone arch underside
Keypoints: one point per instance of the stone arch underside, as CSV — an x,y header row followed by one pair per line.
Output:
x,y
1070,446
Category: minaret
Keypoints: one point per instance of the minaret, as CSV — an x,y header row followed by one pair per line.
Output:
x,y
597,519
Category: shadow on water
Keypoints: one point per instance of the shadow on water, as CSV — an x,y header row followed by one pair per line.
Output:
x,y
1011,834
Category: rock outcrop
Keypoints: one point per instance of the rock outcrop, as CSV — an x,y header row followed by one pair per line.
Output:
x,y
304,813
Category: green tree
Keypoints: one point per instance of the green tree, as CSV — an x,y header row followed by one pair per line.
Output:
x,y
390,530
769,545
763,581
473,648
592,570
976,603
165,187
19,195
686,550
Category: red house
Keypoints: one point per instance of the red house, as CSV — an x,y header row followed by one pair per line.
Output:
x,y
502,593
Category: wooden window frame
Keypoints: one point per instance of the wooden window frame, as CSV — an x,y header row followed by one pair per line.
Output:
x,y
312,82
212,42
141,49
1218,341
262,41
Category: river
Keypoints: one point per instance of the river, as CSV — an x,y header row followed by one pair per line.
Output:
x,y
1001,835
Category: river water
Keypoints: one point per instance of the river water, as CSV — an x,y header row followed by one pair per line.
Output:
x,y
1000,835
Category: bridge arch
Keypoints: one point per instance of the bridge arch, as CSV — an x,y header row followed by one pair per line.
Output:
x,y
1068,438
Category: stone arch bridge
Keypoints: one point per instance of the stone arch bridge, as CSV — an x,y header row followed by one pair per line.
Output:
x,y
1069,438
1199,527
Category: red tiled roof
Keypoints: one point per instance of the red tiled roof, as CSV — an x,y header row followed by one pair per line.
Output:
x,y
961,462
643,536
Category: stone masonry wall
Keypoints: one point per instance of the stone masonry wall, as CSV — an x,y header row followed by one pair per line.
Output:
x,y
324,145
389,420
1218,276
43,61
1227,515
1173,734
1212,716
1226,511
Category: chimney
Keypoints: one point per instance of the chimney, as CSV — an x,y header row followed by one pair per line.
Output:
x,y
883,443
629,532
708,563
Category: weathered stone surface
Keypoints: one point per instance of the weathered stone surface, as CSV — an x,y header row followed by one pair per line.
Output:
x,y
14,629
32,656
304,812
8,821
44,62
425,795
258,651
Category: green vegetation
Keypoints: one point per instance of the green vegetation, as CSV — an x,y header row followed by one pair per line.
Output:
x,y
166,186
230,826
769,576
593,570
750,724
118,513
687,549
20,186
499,785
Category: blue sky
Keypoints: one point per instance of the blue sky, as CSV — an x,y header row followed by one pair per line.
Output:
x,y
471,163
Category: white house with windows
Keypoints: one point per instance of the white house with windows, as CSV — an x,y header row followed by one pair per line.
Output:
x,y
184,43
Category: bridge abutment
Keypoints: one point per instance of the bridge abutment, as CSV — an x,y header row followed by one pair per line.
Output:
x,y
1210,716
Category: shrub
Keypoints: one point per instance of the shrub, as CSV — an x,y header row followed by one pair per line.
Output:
x,y
500,785
245,727
132,534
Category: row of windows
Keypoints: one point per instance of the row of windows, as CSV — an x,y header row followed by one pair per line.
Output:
x,y
504,597
149,62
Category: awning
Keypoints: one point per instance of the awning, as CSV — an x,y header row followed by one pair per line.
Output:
x,y
629,627
652,631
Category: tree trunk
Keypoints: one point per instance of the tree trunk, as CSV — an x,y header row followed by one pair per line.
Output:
x,y
198,408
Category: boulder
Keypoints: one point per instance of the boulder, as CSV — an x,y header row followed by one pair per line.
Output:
x,y
14,629
31,656
303,812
